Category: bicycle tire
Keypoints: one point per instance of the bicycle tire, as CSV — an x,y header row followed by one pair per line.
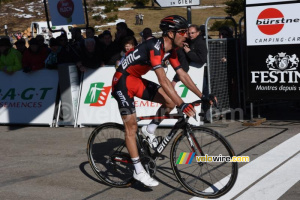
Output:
x,y
105,143
197,178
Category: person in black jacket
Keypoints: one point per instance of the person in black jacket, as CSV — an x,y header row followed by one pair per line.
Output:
x,y
90,56
194,51
109,49
122,32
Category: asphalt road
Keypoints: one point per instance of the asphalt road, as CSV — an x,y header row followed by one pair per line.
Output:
x,y
51,163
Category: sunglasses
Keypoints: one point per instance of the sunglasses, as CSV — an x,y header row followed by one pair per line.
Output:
x,y
182,32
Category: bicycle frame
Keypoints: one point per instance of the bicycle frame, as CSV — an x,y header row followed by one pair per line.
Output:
x,y
181,123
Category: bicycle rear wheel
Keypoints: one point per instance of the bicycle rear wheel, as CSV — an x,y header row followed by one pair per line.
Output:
x,y
108,155
204,179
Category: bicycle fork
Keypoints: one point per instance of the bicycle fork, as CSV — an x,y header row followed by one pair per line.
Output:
x,y
193,142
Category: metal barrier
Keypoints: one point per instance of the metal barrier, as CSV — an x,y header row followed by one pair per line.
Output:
x,y
242,49
223,70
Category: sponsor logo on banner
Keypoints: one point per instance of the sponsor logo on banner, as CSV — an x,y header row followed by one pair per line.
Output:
x,y
274,24
97,94
66,8
282,61
270,21
27,98
282,69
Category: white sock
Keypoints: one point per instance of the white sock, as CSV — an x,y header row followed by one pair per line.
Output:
x,y
137,165
151,128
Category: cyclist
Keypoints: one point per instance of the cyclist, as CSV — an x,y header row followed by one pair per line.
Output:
x,y
127,83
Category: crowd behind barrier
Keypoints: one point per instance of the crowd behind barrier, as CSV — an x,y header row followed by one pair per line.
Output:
x,y
93,52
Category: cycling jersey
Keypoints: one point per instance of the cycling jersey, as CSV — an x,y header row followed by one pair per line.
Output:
x,y
127,81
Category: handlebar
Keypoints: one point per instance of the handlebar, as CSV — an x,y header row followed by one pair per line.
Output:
x,y
210,98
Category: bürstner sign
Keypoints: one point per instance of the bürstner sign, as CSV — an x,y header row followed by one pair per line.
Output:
x,y
178,3
273,24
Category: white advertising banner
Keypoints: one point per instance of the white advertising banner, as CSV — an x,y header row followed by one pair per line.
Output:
x,y
249,2
273,24
28,98
97,106
66,12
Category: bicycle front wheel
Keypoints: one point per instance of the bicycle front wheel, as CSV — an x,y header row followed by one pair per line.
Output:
x,y
204,179
108,155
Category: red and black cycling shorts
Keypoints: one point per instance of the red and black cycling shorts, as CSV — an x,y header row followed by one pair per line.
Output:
x,y
126,87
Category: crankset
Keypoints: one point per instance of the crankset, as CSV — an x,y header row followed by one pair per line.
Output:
x,y
149,165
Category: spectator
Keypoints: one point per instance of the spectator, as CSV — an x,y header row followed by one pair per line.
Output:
x,y
34,57
105,38
67,53
225,32
89,56
90,33
109,49
10,58
21,45
228,55
128,44
122,32
137,19
41,42
76,35
77,39
196,50
51,61
141,16
146,34
62,40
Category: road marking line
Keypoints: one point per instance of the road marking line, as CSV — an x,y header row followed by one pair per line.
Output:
x,y
257,168
277,183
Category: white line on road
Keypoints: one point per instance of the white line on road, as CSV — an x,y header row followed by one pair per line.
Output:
x,y
277,183
257,168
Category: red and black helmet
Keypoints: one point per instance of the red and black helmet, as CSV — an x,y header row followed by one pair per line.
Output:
x,y
173,22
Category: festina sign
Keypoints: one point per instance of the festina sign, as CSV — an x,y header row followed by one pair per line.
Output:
x,y
178,3
274,73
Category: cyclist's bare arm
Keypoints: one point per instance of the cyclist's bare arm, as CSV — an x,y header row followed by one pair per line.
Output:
x,y
170,91
167,86
188,82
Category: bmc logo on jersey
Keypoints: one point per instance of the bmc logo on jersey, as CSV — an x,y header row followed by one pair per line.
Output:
x,y
97,95
271,21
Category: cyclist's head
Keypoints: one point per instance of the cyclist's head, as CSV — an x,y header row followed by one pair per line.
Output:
x,y
175,28
173,23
